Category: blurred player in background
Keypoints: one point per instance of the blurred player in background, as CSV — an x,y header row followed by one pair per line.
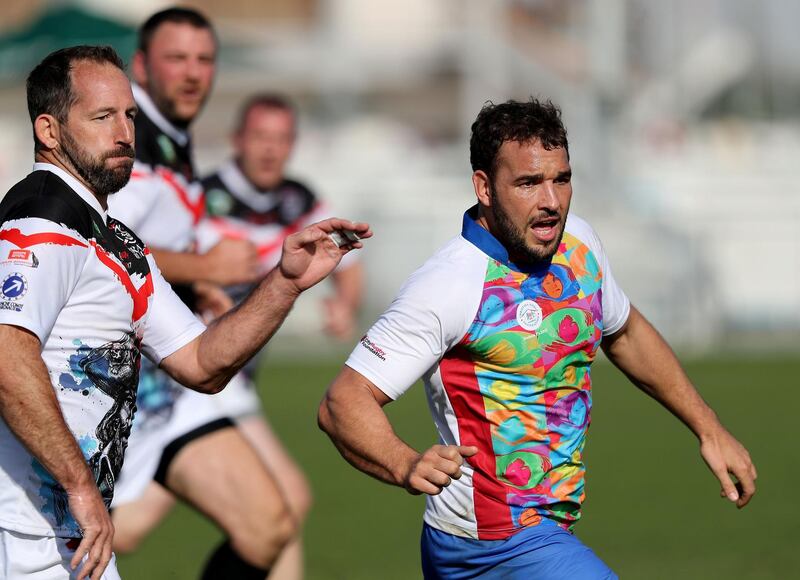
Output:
x,y
502,324
250,198
182,444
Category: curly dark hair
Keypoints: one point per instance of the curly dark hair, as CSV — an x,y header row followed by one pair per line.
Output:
x,y
518,121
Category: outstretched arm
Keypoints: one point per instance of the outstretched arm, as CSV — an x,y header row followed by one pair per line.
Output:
x,y
209,361
29,407
640,352
352,415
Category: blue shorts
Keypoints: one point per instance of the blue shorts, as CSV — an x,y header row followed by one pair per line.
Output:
x,y
543,552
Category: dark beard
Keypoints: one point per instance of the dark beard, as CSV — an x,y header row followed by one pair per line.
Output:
x,y
93,169
514,240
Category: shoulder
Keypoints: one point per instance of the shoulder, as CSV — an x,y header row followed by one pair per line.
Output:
x,y
44,195
440,299
126,234
580,230
291,187
452,274
213,181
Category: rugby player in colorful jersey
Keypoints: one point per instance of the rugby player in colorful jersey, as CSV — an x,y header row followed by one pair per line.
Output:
x,y
503,324
81,299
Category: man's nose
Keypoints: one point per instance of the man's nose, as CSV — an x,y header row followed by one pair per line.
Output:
x,y
125,131
548,198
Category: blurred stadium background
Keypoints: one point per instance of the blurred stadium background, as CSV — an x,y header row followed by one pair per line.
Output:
x,y
684,122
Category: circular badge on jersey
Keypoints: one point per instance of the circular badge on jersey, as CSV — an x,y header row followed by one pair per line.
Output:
x,y
14,286
529,315
167,148
218,202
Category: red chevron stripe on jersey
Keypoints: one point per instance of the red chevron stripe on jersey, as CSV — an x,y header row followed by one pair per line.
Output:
x,y
197,208
140,295
21,240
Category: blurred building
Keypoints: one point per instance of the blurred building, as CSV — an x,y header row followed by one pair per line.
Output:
x,y
684,121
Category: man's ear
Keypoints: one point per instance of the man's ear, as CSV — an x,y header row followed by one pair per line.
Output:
x,y
483,188
48,130
139,68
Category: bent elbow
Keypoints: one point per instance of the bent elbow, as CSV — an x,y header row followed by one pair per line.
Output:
x,y
324,416
210,385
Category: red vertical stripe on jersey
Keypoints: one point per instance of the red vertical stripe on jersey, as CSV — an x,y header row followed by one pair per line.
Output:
x,y
197,208
461,385
139,296
21,240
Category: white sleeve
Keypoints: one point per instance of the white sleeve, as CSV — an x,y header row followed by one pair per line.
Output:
x,y
616,305
430,315
40,264
135,202
170,324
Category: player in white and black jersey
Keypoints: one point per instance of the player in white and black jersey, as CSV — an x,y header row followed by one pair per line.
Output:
x,y
250,198
184,445
81,299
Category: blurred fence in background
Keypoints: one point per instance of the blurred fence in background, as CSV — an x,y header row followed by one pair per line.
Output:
x,y
684,122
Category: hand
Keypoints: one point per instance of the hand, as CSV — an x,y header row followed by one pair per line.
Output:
x,y
309,255
94,520
725,456
436,468
339,318
212,300
232,261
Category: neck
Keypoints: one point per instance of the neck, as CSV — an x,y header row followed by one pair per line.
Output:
x,y
52,157
485,220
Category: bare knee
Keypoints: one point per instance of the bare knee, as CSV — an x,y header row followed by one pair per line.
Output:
x,y
299,498
260,540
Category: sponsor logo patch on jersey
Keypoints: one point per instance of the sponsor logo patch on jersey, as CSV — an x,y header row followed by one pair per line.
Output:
x,y
373,348
167,148
529,315
218,202
14,286
22,258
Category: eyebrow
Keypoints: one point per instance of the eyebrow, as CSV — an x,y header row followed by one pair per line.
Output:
x,y
535,178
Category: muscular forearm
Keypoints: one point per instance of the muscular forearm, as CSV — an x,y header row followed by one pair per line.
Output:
x,y
360,430
231,340
648,361
29,407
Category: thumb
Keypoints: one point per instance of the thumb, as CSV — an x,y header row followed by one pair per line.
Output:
x,y
467,450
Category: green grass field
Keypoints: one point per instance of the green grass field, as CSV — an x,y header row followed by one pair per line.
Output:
x,y
652,511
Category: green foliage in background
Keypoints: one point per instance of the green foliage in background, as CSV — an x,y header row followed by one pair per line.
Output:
x,y
653,509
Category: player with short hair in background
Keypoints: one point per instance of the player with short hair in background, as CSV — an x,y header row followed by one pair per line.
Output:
x,y
183,445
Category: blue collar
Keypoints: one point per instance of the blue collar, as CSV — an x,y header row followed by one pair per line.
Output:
x,y
482,239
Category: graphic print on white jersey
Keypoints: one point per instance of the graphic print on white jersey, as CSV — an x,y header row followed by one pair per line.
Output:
x,y
87,299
